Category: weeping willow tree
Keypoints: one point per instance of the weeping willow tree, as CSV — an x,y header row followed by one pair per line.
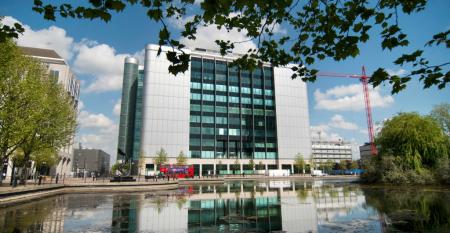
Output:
x,y
415,141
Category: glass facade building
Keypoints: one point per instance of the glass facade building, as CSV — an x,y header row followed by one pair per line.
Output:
x,y
220,116
232,112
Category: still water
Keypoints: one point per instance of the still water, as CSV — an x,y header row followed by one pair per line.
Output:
x,y
260,206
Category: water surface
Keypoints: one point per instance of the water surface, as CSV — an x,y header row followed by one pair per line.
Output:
x,y
266,206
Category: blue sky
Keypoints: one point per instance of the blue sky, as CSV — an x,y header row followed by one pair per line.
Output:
x,y
95,50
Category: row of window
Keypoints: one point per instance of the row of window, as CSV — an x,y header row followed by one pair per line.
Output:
x,y
234,89
230,132
210,154
232,99
231,110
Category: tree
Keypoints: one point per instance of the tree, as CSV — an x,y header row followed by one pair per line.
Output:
x,y
260,165
160,158
354,165
441,114
181,159
141,163
16,99
53,121
300,163
45,158
236,165
332,29
251,164
36,114
416,140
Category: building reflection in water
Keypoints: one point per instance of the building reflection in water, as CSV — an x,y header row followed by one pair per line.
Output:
x,y
244,206
45,215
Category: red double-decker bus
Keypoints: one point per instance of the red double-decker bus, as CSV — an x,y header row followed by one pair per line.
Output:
x,y
179,171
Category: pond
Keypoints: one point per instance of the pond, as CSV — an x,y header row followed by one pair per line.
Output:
x,y
247,206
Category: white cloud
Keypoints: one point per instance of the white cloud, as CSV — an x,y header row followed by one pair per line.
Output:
x,y
322,132
116,108
337,121
102,132
350,98
102,62
48,38
93,120
207,35
398,72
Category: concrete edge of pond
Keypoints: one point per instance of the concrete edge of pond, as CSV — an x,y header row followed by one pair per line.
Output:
x,y
42,192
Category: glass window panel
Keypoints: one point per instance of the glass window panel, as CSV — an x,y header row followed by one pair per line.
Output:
x,y
207,119
258,101
246,100
259,112
259,144
257,91
234,121
271,145
195,85
221,120
247,111
234,132
194,154
221,87
196,75
221,98
196,107
196,96
195,119
271,155
233,110
246,90
268,92
260,155
259,133
208,142
221,131
207,97
234,89
269,102
208,131
194,130
208,108
208,154
194,141
270,113
221,109
234,99
246,132
221,77
208,86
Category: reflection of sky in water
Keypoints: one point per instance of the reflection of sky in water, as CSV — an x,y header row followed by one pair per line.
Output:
x,y
91,219
233,207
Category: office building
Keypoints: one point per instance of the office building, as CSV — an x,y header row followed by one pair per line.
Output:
x,y
218,115
335,151
91,160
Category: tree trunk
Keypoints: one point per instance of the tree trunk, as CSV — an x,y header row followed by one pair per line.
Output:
x,y
24,172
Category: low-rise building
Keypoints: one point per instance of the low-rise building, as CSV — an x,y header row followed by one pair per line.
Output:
x,y
334,151
89,161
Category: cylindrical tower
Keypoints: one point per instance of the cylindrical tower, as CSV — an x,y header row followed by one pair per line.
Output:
x,y
126,125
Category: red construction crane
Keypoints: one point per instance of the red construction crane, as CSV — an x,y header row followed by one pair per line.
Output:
x,y
364,81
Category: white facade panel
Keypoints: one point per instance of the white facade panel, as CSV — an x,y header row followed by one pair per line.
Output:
x,y
291,101
166,100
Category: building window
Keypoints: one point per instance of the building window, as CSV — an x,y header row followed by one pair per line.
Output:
x,y
196,96
221,120
208,119
195,85
221,88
